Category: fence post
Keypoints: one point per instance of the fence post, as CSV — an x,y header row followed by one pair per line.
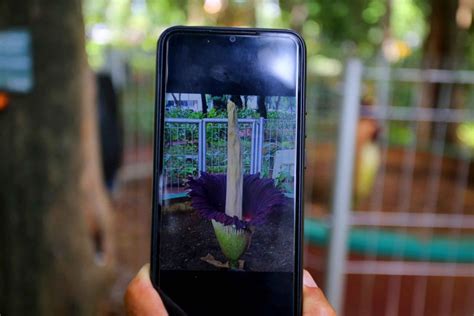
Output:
x,y
203,145
342,191
199,147
260,144
253,148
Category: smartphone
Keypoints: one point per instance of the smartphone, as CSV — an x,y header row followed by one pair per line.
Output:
x,y
228,171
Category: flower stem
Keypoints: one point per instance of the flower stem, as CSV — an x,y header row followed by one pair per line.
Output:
x,y
234,188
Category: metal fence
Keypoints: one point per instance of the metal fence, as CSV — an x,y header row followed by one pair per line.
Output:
x,y
192,146
414,198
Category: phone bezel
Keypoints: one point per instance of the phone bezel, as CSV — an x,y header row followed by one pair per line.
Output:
x,y
158,144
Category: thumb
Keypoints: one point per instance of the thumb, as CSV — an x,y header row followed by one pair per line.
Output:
x,y
141,298
314,301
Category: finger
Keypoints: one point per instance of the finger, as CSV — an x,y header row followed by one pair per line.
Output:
x,y
314,301
141,298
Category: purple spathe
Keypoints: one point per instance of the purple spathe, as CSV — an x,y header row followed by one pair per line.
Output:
x,y
260,198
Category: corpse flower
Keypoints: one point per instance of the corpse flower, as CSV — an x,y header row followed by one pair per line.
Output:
x,y
234,203
260,198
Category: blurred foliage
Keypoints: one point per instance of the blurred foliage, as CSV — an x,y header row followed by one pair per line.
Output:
x,y
333,29
400,134
465,133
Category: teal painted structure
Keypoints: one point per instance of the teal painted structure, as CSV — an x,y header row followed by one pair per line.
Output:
x,y
382,242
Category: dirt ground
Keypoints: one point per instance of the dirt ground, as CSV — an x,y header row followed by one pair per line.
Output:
x,y
189,237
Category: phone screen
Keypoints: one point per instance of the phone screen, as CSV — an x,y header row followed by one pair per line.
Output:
x,y
230,118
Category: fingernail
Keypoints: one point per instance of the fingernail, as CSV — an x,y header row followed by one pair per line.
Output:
x,y
144,272
308,280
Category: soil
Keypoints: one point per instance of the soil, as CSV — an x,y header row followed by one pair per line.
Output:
x,y
189,238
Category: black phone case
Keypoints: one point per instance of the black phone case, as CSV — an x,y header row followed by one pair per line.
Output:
x,y
172,308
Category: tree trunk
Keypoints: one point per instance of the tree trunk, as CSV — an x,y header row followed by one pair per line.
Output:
x,y
51,192
204,103
177,102
439,52
237,101
440,43
277,103
261,106
235,13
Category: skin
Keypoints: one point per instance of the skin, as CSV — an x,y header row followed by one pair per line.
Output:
x,y
141,299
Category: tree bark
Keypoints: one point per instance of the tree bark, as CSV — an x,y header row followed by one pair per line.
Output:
x,y
51,193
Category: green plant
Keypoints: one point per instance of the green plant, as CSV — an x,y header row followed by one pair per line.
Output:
x,y
284,181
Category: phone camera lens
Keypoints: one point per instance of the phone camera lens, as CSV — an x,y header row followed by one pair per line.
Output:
x,y
232,39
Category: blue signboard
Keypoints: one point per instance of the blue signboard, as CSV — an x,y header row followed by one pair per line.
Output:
x,y
16,64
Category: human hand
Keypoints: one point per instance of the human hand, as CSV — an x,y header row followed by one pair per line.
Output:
x,y
141,298
314,301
